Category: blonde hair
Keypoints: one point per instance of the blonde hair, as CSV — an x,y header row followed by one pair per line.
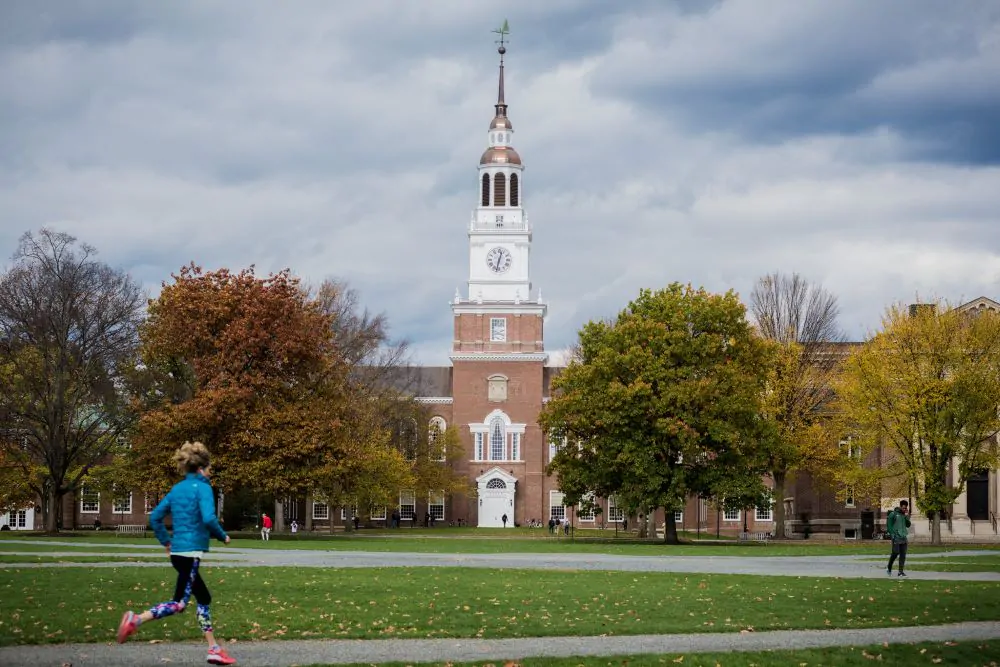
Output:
x,y
191,456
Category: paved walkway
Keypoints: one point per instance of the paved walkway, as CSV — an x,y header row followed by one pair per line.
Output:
x,y
850,566
304,652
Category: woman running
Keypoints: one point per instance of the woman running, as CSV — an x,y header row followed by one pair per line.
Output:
x,y
192,507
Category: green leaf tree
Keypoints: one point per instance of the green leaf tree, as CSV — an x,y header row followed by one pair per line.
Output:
x,y
927,387
661,403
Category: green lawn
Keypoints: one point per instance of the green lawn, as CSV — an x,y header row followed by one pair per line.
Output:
x,y
111,558
419,540
965,654
84,604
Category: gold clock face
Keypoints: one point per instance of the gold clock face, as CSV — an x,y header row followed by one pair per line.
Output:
x,y
498,259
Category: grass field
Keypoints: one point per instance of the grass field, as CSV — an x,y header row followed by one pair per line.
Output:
x,y
443,542
966,654
84,604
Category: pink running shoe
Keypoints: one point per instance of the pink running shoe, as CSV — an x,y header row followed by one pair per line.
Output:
x,y
218,656
126,627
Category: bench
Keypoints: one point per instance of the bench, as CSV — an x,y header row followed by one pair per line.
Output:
x,y
758,536
131,529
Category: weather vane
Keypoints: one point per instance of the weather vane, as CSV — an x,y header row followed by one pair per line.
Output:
x,y
503,32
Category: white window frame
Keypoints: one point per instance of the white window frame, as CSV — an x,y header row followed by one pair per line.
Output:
x,y
503,322
320,510
497,440
118,503
679,516
435,500
149,506
557,502
615,514
411,503
480,446
19,519
765,516
515,446
849,500
84,502
378,513
343,512
727,515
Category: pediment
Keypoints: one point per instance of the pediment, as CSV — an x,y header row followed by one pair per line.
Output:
x,y
979,304
497,471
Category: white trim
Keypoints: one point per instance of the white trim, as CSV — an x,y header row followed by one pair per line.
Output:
x,y
326,511
739,515
83,488
435,400
499,307
115,504
499,356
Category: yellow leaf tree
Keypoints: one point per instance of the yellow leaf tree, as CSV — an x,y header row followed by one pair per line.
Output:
x,y
927,387
799,321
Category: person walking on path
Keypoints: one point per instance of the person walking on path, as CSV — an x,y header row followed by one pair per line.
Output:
x,y
897,524
265,529
191,506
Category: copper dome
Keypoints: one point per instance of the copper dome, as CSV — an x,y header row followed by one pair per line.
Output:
x,y
501,123
500,155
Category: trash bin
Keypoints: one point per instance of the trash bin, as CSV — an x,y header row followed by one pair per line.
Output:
x,y
868,525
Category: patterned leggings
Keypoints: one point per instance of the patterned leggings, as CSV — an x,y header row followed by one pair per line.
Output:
x,y
188,581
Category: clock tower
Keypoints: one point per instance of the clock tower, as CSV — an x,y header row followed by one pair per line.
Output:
x,y
498,355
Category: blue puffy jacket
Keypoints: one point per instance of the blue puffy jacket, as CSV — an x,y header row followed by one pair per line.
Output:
x,y
192,507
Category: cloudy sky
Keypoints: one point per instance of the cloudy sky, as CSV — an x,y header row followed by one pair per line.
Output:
x,y
710,142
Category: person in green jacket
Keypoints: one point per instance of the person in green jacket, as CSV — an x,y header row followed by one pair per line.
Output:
x,y
897,524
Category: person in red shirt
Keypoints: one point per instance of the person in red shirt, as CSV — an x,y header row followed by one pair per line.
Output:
x,y
265,531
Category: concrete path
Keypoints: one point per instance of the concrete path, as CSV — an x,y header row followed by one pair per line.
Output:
x,y
304,652
849,566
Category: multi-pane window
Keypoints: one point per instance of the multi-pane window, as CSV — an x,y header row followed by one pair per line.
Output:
x,y
615,514
435,438
678,516
498,440
586,512
150,502
378,513
515,447
557,510
321,511
731,515
90,501
407,505
554,445
764,514
122,505
20,519
849,499
346,514
480,446
435,505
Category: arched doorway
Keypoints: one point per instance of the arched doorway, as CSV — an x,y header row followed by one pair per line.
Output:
x,y
496,489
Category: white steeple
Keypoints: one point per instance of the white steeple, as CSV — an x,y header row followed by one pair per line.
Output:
x,y
499,233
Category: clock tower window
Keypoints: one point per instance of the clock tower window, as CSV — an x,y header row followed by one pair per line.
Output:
x,y
513,190
499,190
486,190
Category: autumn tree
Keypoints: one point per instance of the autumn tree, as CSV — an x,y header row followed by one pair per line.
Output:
x,y
662,404
800,321
68,335
248,366
927,387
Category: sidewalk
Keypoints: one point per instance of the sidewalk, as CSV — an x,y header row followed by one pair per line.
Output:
x,y
304,652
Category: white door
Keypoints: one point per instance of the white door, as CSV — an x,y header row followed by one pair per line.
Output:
x,y
491,511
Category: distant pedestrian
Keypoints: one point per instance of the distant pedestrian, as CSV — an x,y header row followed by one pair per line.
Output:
x,y
295,527
191,506
504,519
897,524
265,530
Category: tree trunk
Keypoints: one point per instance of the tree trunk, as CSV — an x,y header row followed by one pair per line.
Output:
x,y
640,526
936,529
52,511
309,514
279,516
670,529
779,504
651,524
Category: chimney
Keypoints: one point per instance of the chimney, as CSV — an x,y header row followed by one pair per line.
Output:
x,y
916,308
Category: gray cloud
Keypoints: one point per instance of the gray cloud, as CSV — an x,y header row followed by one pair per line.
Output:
x,y
707,142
